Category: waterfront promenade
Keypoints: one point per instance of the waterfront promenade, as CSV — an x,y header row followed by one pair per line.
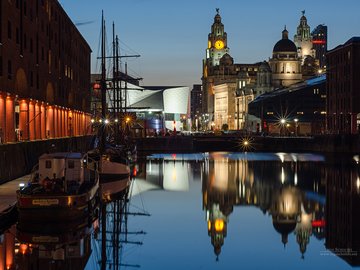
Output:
x,y
8,192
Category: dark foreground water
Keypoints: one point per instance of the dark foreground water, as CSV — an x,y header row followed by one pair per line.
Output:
x,y
216,211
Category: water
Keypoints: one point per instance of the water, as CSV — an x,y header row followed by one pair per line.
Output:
x,y
231,210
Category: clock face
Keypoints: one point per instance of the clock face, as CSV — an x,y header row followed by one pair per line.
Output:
x,y
219,44
209,44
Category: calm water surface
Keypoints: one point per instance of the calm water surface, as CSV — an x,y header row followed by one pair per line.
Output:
x,y
231,211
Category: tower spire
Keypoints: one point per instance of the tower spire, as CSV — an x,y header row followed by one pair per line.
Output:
x,y
218,11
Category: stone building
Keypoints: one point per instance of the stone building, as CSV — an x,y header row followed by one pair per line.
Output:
x,y
285,63
44,72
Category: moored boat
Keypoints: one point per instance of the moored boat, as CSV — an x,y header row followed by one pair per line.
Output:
x,y
63,188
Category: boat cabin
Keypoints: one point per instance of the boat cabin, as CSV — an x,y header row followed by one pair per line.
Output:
x,y
66,166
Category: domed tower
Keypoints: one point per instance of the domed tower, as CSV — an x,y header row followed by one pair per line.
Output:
x,y
285,63
303,39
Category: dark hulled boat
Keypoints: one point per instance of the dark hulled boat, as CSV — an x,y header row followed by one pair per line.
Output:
x,y
62,189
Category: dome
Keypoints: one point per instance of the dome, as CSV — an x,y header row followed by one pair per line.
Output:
x,y
285,45
284,227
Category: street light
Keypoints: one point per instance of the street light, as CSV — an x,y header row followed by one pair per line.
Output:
x,y
296,125
282,122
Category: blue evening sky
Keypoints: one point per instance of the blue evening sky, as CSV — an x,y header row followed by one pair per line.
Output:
x,y
171,36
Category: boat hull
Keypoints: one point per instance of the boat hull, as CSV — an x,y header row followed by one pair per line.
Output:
x,y
111,171
52,207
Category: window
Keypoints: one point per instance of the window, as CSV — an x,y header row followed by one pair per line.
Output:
x,y
17,36
48,164
31,79
9,70
71,164
9,29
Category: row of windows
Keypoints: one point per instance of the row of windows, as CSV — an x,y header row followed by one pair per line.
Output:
x,y
71,164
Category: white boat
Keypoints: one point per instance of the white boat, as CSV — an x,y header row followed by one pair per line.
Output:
x,y
62,188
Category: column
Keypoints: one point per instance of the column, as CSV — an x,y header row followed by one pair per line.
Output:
x,y
63,127
2,118
66,124
71,123
9,120
31,122
24,120
37,121
43,121
56,130
50,130
75,124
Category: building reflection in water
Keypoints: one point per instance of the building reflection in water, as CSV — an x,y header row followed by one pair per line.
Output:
x,y
342,211
289,190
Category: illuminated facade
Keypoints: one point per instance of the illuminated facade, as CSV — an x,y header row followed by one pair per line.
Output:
x,y
44,73
303,39
285,63
216,49
220,75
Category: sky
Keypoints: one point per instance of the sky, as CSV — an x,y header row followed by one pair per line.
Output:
x,y
171,36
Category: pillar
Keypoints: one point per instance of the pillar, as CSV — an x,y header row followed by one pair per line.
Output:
x,y
9,120
31,122
43,121
37,121
71,123
24,120
2,118
75,124
50,132
63,127
56,129
66,126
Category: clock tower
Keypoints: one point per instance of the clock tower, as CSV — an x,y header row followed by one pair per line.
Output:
x,y
217,42
216,49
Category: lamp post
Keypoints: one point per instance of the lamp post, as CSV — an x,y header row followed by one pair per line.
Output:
x,y
296,126
282,122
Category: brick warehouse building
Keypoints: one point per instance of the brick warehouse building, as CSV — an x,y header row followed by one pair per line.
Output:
x,y
44,72
343,88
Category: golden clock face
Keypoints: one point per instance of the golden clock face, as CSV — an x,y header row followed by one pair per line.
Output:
x,y
219,44
209,44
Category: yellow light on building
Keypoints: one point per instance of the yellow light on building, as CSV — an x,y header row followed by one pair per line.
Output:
x,y
219,225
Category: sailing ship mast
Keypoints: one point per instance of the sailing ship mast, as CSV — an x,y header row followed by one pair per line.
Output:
x,y
102,135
